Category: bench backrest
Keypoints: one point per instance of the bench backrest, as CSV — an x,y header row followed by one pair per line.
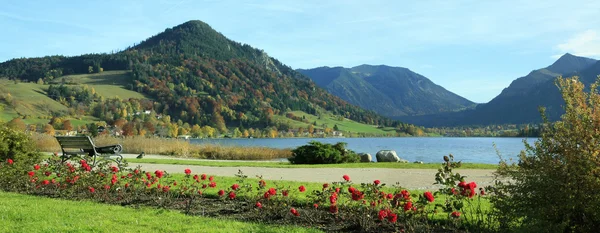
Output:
x,y
78,142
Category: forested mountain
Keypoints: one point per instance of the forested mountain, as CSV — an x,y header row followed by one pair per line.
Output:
x,y
198,76
390,91
519,102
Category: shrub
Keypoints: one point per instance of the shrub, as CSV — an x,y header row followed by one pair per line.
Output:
x,y
556,184
319,153
17,146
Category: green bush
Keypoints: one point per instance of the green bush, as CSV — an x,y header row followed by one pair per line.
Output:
x,y
17,146
555,187
319,153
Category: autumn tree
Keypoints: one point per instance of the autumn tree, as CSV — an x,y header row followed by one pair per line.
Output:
x,y
555,185
67,125
49,129
17,124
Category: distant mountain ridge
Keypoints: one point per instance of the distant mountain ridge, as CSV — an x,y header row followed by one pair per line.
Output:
x,y
519,102
390,91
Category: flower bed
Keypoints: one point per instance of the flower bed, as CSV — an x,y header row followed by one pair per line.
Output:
x,y
336,206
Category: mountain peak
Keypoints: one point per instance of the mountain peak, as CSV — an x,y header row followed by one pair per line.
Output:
x,y
569,63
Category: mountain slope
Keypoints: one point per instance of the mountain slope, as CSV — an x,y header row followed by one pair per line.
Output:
x,y
198,76
390,91
519,102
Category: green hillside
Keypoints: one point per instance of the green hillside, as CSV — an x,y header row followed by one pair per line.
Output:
x,y
328,120
109,84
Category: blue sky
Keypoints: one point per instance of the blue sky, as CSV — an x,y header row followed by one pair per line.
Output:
x,y
473,48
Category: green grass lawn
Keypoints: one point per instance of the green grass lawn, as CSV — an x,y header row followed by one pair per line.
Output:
x,y
23,213
288,165
109,84
30,99
330,120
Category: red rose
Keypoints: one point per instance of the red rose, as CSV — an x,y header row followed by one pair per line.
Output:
x,y
187,171
45,182
221,192
462,184
337,190
429,196
316,205
196,177
285,193
36,167
408,205
382,214
390,196
92,190
231,195
9,161
357,195
31,174
107,187
174,183
47,173
126,185
199,192
211,178
351,189
346,177
302,188
333,209
392,217
262,183
272,191
325,185
166,188
333,199
159,174
376,182
235,186
212,184
294,212
114,169
482,192
455,214
258,205
405,194
204,186
267,195
203,177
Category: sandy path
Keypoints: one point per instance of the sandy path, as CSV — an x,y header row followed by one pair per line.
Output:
x,y
408,178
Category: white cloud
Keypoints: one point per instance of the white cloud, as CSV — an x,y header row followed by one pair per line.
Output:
x,y
585,44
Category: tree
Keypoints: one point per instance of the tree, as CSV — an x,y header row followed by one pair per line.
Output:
x,y
93,129
208,131
17,124
67,125
335,127
219,123
48,129
129,129
555,186
311,129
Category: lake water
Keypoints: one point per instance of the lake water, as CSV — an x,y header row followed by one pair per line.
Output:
x,y
426,149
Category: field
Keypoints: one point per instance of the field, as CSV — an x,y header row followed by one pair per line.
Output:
x,y
25,213
330,121
30,99
109,84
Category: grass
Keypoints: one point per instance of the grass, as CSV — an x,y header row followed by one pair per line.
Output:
x,y
109,84
330,120
22,213
288,165
30,99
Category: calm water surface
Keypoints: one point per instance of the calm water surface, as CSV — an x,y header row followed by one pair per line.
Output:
x,y
472,150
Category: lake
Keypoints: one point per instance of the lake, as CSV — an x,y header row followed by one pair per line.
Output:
x,y
426,149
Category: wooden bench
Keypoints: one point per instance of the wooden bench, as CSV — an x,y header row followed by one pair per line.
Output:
x,y
83,145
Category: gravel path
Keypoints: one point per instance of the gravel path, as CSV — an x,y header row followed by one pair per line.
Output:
x,y
408,178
